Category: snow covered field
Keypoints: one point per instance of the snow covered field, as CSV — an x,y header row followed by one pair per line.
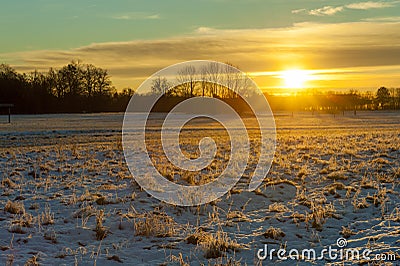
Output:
x,y
68,198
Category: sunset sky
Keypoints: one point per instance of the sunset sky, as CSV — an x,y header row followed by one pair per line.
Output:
x,y
281,44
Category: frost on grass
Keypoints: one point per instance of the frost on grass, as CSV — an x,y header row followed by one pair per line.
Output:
x,y
274,233
155,224
213,245
68,197
14,207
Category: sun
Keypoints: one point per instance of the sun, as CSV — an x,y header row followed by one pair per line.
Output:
x,y
294,78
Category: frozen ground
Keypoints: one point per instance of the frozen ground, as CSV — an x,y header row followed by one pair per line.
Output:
x,y
67,197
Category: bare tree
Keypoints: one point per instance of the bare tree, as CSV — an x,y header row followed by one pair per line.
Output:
x,y
204,85
71,75
187,78
56,83
102,81
213,76
159,86
89,79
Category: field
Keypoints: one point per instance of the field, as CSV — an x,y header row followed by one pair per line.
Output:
x,y
68,198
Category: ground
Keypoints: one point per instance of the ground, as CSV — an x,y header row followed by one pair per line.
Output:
x,y
67,196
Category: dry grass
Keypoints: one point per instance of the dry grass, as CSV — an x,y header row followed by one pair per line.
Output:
x,y
14,207
215,245
101,231
337,175
346,232
317,178
319,214
156,224
237,216
274,233
46,217
278,207
7,182
32,262
25,220
179,259
50,236
199,237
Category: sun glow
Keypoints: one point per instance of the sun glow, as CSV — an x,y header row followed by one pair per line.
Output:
x,y
294,78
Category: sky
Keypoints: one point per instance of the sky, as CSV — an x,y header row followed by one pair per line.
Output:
x,y
282,45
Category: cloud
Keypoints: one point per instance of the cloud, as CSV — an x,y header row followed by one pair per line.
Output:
x,y
205,30
325,11
312,45
383,19
136,16
298,11
331,10
370,5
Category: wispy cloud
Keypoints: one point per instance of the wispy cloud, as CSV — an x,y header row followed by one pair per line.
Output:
x,y
322,46
332,10
136,16
370,5
205,30
325,11
383,19
298,11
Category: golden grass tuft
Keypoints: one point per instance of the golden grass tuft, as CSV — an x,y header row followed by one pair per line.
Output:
x,y
46,217
199,237
156,224
346,232
14,207
101,231
32,261
277,207
214,245
274,233
337,175
379,161
7,182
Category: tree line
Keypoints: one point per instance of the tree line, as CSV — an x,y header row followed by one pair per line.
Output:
x,y
334,102
78,87
75,87
212,80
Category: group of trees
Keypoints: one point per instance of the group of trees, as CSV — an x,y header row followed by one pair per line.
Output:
x,y
75,87
79,87
383,99
388,98
212,80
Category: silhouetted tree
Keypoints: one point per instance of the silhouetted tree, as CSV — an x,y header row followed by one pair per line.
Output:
x,y
382,97
89,79
71,75
12,86
213,75
159,85
187,78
